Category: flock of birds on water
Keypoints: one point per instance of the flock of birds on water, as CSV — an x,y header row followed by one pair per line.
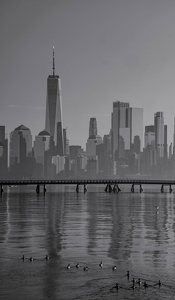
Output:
x,y
135,283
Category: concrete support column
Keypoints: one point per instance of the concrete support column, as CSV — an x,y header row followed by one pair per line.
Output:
x,y
170,189
132,188
162,189
106,188
85,188
38,188
119,190
110,188
1,189
77,188
44,189
141,189
115,189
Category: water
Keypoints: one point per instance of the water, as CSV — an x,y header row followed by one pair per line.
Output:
x,y
123,229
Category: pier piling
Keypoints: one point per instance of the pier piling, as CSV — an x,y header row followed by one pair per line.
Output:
x,y
106,188
38,188
85,188
44,189
77,188
132,188
141,189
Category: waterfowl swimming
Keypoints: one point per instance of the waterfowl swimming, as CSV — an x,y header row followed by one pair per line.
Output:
x,y
23,257
139,281
133,280
145,285
47,257
133,286
31,258
128,274
114,268
77,265
85,268
159,283
101,264
117,286
68,266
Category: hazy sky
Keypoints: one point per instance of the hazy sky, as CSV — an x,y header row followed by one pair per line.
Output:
x,y
105,50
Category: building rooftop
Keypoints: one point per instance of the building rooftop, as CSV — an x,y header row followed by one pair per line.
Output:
x,y
22,127
44,132
95,137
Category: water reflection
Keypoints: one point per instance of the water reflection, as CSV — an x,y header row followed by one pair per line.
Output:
x,y
124,229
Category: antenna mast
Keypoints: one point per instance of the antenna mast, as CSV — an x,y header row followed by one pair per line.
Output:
x,y
53,62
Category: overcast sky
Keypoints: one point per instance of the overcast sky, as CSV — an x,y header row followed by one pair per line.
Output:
x,y
105,50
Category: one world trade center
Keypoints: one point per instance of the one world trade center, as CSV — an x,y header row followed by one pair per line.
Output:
x,y
54,121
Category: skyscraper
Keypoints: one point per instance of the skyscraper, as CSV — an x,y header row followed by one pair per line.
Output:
x,y
20,144
54,121
159,133
120,126
136,124
174,139
3,152
92,126
149,136
41,146
21,160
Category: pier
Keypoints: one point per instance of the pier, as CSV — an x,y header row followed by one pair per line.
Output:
x,y
110,185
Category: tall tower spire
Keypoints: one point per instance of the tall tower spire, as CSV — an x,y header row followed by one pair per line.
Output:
x,y
53,62
54,120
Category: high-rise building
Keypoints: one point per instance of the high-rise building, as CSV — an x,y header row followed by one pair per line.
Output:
x,y
92,126
159,133
66,142
91,144
42,144
54,120
174,139
20,144
149,136
3,152
165,142
136,124
21,152
120,126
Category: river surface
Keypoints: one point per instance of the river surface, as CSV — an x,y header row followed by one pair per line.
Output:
x,y
125,230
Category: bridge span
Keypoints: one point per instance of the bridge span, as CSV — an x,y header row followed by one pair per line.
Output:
x,y
111,185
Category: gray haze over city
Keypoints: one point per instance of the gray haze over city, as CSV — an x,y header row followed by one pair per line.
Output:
x,y
114,70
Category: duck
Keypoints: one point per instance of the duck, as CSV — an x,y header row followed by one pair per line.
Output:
x,y
31,258
86,268
101,264
159,283
23,257
133,286
68,266
139,281
117,286
114,268
133,280
47,257
128,274
145,285
77,265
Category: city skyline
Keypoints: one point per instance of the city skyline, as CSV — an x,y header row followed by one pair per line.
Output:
x,y
105,51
